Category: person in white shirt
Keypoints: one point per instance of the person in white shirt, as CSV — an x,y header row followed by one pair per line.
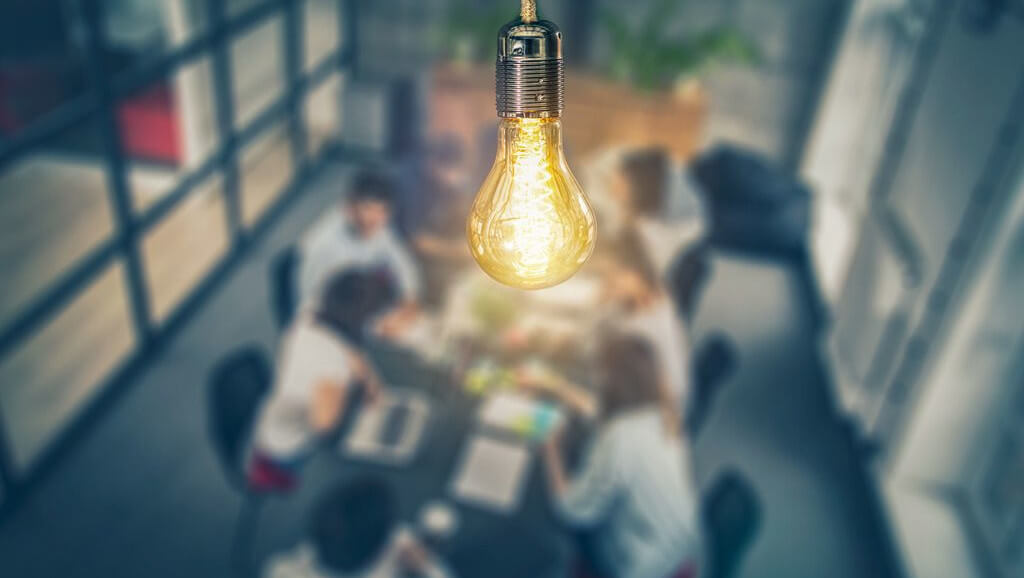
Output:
x,y
636,490
354,534
360,235
642,307
321,361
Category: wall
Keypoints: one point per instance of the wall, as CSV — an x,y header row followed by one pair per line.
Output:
x,y
768,106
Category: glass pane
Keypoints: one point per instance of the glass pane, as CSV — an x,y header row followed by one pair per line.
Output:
x,y
181,249
322,112
52,373
42,66
167,130
54,209
321,30
266,169
257,70
236,7
142,30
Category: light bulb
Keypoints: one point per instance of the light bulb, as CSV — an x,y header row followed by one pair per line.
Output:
x,y
531,225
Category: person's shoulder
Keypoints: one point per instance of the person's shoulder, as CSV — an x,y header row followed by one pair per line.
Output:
x,y
308,336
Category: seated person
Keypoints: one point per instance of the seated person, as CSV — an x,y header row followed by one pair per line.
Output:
x,y
635,494
651,199
321,361
354,534
359,235
433,214
643,308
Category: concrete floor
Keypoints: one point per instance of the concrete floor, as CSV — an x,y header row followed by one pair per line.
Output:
x,y
141,494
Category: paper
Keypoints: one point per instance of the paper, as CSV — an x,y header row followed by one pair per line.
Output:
x,y
492,474
521,414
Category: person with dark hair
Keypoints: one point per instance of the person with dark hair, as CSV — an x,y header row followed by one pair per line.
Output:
x,y
653,196
641,306
321,360
360,235
635,494
354,533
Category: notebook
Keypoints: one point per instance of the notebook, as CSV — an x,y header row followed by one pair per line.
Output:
x,y
491,474
520,413
388,430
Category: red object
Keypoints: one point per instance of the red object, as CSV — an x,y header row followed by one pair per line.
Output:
x,y
148,126
266,476
689,570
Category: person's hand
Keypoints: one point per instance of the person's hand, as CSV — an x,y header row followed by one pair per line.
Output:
x,y
514,339
395,322
389,326
553,443
429,244
533,378
373,386
413,557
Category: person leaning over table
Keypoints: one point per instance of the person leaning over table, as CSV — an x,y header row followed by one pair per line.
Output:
x,y
641,306
635,493
354,533
321,361
360,235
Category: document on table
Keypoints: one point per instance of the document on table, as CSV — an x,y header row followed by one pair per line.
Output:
x,y
521,414
492,474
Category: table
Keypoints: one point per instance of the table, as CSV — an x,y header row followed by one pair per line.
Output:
x,y
528,543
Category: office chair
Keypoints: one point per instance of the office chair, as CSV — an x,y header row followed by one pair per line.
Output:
x,y
237,385
716,359
731,513
284,298
688,276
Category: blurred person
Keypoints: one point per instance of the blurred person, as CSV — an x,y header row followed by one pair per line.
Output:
x,y
359,235
354,533
635,497
433,213
321,362
653,196
642,307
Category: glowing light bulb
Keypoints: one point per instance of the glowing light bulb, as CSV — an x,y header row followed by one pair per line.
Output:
x,y
531,225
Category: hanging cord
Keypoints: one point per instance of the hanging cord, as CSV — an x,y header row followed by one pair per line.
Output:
x,y
528,13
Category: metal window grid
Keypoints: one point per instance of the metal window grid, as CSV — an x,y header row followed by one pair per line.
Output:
x,y
100,102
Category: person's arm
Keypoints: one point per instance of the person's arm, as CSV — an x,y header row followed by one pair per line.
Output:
x,y
576,397
416,559
404,269
585,499
440,247
328,404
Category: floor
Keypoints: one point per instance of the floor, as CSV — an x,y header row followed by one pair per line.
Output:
x,y
141,494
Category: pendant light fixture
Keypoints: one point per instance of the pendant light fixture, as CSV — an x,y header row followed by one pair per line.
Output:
x,y
531,225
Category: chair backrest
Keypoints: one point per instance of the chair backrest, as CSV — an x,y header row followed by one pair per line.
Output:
x,y
284,285
716,359
237,385
687,278
731,513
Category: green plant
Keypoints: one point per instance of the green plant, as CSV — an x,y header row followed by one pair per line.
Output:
x,y
648,58
472,29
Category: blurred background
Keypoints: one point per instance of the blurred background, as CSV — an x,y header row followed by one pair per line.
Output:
x,y
859,163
